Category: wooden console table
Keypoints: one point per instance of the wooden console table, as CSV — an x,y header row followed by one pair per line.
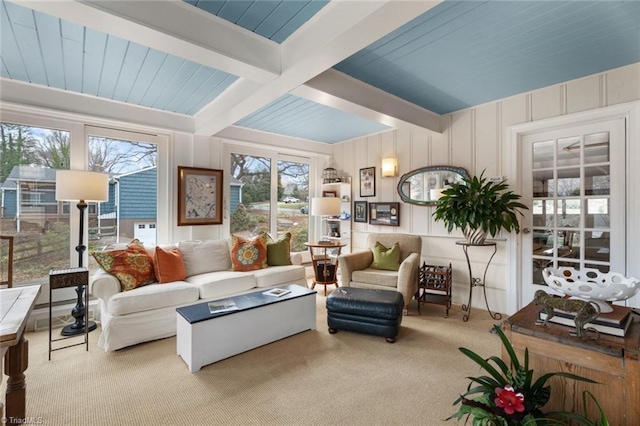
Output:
x,y
614,362
15,306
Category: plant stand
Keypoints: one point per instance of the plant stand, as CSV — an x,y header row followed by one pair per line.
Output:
x,y
477,282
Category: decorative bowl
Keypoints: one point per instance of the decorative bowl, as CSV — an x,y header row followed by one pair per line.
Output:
x,y
592,285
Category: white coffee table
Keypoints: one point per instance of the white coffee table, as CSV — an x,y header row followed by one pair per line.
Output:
x,y
204,338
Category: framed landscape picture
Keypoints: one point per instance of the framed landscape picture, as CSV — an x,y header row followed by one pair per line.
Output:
x,y
368,182
199,196
360,211
384,214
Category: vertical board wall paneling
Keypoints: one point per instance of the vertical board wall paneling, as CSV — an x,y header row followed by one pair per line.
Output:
x,y
486,130
461,136
547,103
583,94
623,84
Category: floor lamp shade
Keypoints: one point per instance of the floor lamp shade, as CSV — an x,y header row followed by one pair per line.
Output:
x,y
82,187
325,206
76,185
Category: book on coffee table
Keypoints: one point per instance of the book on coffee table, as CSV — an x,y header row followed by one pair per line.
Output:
x,y
222,306
277,292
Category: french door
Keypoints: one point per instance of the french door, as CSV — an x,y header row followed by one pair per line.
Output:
x,y
573,181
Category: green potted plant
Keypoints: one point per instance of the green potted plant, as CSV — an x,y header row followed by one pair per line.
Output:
x,y
509,395
478,206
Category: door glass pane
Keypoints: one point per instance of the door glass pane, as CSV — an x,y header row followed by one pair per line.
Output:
x,y
569,152
597,246
596,148
543,154
568,213
542,213
597,180
250,199
543,183
293,203
29,157
131,211
569,182
597,213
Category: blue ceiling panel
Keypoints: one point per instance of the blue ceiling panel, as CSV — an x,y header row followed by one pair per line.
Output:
x,y
272,19
38,48
465,53
298,117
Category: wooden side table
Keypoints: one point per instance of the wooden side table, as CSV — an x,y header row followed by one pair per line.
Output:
x,y
324,270
613,362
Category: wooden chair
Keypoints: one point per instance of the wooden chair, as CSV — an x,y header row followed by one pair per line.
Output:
x,y
9,268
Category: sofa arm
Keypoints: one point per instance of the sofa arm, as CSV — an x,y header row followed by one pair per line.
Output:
x,y
353,262
104,285
408,277
296,259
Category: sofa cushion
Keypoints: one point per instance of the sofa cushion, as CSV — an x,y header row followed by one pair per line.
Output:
x,y
132,266
218,284
205,256
386,258
275,275
152,296
249,254
279,252
376,277
168,265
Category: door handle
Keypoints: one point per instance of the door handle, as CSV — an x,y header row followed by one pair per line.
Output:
x,y
526,231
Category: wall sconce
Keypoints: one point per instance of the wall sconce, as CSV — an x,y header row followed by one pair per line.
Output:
x,y
389,167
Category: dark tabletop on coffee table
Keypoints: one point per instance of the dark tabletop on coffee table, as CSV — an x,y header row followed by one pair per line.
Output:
x,y
200,311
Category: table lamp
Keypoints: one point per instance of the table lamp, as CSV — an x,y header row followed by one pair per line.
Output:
x,y
325,207
81,186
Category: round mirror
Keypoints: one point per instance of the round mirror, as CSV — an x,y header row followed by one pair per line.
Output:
x,y
423,186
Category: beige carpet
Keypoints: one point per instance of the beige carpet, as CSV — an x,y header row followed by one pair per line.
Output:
x,y
313,378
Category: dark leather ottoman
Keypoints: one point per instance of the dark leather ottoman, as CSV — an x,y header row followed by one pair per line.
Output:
x,y
377,312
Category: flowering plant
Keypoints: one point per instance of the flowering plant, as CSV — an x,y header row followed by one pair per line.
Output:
x,y
508,396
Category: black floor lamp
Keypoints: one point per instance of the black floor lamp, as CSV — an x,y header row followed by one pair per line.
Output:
x,y
83,187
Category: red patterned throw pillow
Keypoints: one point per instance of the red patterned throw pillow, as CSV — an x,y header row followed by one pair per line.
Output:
x,y
132,266
249,255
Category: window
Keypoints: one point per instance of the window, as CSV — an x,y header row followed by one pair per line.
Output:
x,y
29,157
269,193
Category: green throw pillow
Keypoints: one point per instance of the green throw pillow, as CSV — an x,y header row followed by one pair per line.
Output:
x,y
278,252
384,258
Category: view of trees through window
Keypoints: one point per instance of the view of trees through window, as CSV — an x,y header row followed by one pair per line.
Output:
x,y
251,198
29,157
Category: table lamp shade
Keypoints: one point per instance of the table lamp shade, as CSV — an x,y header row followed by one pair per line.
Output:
x,y
75,185
325,206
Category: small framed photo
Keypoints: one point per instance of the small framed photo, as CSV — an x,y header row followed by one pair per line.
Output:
x,y
360,211
387,214
199,196
329,194
368,182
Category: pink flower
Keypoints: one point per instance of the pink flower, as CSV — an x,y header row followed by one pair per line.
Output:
x,y
508,400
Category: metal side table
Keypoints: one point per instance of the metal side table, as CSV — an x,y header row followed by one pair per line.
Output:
x,y
477,282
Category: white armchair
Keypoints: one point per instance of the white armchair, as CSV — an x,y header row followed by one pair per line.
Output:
x,y
355,268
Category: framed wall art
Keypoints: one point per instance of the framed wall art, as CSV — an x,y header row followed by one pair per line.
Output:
x,y
360,211
384,214
329,194
368,182
199,196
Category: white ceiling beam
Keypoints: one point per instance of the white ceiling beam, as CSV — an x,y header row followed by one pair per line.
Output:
x,y
176,28
339,30
340,91
30,94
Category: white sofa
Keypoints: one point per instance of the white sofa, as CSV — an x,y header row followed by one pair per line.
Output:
x,y
149,312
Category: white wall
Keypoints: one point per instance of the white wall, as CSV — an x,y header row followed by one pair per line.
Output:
x,y
476,139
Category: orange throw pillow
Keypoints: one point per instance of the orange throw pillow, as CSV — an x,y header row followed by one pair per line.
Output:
x,y
249,255
169,265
